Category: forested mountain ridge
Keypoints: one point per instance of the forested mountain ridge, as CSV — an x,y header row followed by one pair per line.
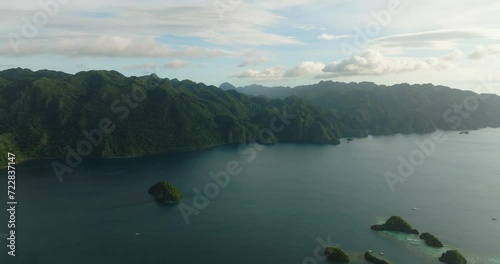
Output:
x,y
401,108
48,113
43,113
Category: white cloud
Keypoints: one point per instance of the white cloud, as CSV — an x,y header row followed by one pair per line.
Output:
x,y
255,61
147,66
309,28
253,33
253,57
138,29
372,62
305,68
326,36
155,67
177,64
274,73
480,52
279,4
106,46
368,63
453,56
437,39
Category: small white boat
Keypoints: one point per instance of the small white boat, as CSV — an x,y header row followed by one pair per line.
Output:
x,y
381,253
370,251
414,208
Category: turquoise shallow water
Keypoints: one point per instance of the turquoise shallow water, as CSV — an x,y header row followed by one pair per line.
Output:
x,y
276,210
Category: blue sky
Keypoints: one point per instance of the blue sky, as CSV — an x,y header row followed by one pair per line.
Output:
x,y
454,43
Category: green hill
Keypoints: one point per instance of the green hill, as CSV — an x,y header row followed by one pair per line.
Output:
x,y
49,114
105,114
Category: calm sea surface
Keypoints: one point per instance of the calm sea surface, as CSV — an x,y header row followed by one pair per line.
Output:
x,y
279,208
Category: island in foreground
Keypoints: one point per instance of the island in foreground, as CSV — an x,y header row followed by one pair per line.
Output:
x,y
453,257
396,224
336,254
431,240
165,192
373,259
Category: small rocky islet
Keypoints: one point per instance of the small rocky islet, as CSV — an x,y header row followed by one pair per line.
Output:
x,y
396,224
431,240
374,259
453,257
336,254
165,192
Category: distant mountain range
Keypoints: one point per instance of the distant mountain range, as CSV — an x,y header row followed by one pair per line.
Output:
x,y
105,114
259,90
383,110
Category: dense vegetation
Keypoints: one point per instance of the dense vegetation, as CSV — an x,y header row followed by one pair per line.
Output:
x,y
367,108
453,257
396,224
336,254
48,114
431,240
373,259
165,192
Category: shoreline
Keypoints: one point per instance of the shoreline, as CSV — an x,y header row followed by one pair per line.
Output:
x,y
343,140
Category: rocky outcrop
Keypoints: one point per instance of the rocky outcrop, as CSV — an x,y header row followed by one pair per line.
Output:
x,y
431,240
165,192
373,259
336,254
396,224
453,257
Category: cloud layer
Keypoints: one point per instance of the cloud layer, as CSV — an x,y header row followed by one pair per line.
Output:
x,y
368,63
245,41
